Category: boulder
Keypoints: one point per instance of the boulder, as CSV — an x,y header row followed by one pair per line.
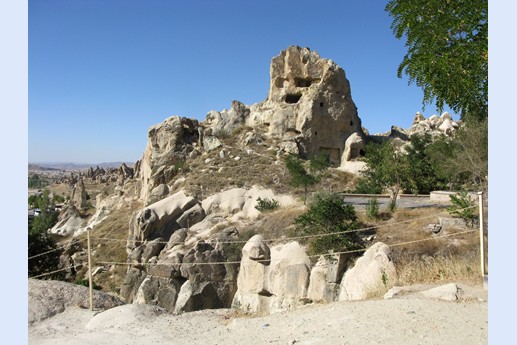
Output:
x,y
447,127
162,292
448,292
211,143
158,193
353,147
47,298
132,281
267,286
198,296
159,219
325,277
372,274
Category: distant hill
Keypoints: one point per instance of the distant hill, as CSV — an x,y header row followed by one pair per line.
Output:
x,y
33,167
53,166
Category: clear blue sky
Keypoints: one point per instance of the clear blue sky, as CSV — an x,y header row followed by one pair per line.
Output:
x,y
102,72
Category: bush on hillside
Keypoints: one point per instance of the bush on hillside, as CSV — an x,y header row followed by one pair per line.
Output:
x,y
329,216
264,205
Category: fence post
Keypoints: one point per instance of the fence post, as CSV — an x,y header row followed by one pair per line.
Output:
x,y
481,234
90,268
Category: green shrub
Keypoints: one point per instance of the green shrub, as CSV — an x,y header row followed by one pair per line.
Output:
x,y
463,207
372,209
85,282
328,214
266,204
365,186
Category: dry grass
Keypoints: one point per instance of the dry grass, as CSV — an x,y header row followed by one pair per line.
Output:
x,y
276,224
432,259
115,227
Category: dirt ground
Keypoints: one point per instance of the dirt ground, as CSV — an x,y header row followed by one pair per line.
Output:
x,y
405,320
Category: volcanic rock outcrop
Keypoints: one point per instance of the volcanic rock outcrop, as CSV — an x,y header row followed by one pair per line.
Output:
x,y
309,110
310,103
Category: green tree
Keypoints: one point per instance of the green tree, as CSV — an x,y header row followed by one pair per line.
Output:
x,y
39,241
386,168
422,175
463,159
328,214
300,177
447,56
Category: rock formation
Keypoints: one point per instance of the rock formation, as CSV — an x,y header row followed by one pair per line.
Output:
x,y
309,110
374,272
271,279
169,144
79,198
179,248
434,125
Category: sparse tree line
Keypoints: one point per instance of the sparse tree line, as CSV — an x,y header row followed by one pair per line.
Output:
x,y
447,163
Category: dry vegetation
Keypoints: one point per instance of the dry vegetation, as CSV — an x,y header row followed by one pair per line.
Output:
x,y
114,227
433,258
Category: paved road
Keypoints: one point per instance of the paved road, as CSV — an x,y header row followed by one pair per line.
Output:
x,y
359,202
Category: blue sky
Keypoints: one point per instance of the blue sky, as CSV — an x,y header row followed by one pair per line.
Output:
x,y
101,72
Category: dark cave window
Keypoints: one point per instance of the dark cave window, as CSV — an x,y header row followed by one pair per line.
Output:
x,y
290,98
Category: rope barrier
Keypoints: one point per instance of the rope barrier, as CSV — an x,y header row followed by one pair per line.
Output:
x,y
266,240
296,237
56,271
269,260
53,250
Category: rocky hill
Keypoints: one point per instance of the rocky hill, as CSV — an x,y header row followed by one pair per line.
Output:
x,y
185,232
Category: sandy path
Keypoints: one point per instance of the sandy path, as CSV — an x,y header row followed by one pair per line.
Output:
x,y
395,321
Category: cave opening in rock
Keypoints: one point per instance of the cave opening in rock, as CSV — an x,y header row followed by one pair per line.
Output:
x,y
292,98
302,82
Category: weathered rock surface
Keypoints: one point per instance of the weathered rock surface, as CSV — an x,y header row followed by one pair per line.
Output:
x,y
309,103
325,278
268,286
449,292
69,221
169,143
240,202
79,196
372,273
159,219
48,298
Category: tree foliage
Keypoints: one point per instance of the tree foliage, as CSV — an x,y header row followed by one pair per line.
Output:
x,y
328,214
39,240
301,177
422,175
463,159
447,42
387,168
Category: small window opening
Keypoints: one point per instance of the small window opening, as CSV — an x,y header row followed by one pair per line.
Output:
x,y
321,104
316,133
301,82
351,123
291,98
279,82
